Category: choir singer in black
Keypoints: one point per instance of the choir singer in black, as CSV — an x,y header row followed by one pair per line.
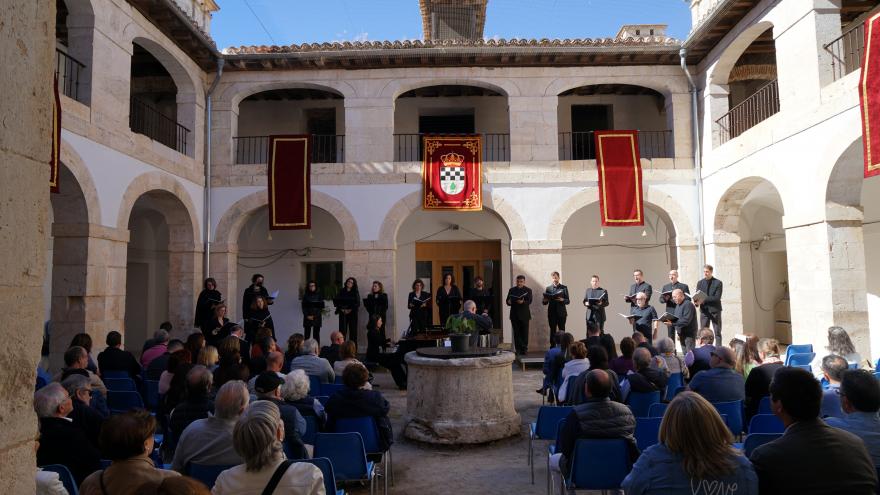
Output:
x,y
258,317
519,298
685,324
417,302
347,302
482,296
556,298
208,298
312,306
710,307
639,286
596,300
448,298
255,289
667,299
376,302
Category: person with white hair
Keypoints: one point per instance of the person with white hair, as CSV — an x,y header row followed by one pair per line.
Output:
x,y
674,364
313,365
208,441
257,438
61,441
295,392
83,415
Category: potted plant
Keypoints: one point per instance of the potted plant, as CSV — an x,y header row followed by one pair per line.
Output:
x,y
460,330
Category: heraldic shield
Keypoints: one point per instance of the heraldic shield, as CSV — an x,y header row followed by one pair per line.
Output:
x,y
452,173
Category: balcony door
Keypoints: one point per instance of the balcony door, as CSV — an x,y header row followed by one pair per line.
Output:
x,y
446,124
584,120
321,124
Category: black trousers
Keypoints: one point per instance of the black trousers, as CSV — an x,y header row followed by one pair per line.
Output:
x,y
348,325
686,341
557,322
312,329
705,318
520,335
593,316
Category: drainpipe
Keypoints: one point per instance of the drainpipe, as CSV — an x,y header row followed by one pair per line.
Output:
x,y
207,216
698,174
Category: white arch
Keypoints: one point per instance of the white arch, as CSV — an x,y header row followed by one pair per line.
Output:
x,y
396,87
237,92
720,73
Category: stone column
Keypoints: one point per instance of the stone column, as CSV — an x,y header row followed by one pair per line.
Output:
x,y
690,267
678,116
184,285
369,128
535,260
80,35
728,269
533,128
113,61
367,261
224,127
27,47
716,100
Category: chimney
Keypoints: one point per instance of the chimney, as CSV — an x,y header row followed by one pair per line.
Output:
x,y
453,19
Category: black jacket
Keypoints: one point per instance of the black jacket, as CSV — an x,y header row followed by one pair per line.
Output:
x,y
649,379
258,318
519,312
605,341
667,300
642,287
205,306
554,306
248,298
713,289
116,359
597,311
483,299
577,394
687,321
89,419
447,304
349,403
312,304
596,418
812,458
758,386
62,442
376,304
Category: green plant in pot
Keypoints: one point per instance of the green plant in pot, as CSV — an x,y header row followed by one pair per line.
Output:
x,y
460,330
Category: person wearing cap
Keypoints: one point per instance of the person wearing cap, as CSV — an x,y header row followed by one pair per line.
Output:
x,y
721,383
268,387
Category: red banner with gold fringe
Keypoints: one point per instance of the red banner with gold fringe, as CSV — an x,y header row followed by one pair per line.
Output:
x,y
869,96
55,159
290,189
452,173
620,178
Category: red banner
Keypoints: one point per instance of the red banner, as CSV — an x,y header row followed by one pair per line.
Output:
x,y
620,178
289,183
452,173
55,159
869,96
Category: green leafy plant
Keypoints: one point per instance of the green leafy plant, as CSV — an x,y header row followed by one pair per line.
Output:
x,y
456,325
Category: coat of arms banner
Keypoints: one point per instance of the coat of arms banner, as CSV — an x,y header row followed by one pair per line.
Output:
x,y
452,173
290,187
869,96
620,178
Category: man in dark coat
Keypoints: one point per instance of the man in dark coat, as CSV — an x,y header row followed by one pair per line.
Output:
x,y
353,401
114,358
647,378
83,415
710,307
519,298
62,441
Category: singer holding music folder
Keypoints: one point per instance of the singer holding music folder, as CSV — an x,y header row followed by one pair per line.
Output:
x,y
519,297
666,296
596,300
684,321
417,302
347,302
643,317
312,308
448,298
639,286
555,297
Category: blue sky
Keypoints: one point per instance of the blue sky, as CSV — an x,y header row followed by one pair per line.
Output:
x,y
300,21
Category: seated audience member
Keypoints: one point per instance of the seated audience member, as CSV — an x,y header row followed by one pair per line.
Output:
x,y
833,367
839,344
230,368
48,482
83,415
273,362
195,342
257,438
860,400
196,403
354,401
182,485
268,387
747,356
160,364
720,383
674,364
84,340
176,380
811,457
180,356
208,441
166,327
642,342
312,364
688,463
209,357
331,352
698,359
295,392
76,358
127,440
550,370
574,367
244,347
347,355
645,378
758,382
623,364
159,347
558,363
598,361
596,337
294,349
264,343
62,441
114,358
598,417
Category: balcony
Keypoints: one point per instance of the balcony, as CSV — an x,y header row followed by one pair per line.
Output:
x,y
581,145
846,51
147,120
756,108
68,70
408,147
325,148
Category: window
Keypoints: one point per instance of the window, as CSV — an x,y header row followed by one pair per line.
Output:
x,y
638,32
327,274
652,32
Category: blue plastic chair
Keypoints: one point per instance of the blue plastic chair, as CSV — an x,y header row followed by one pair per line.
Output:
x,y
348,456
121,401
120,384
114,374
647,432
204,473
877,375
599,464
734,411
152,390
797,349
764,406
338,380
675,381
805,367
544,428
311,430
329,389
41,382
766,423
105,463
314,385
326,468
755,440
657,410
65,476
801,359
853,366
640,403
554,447
369,432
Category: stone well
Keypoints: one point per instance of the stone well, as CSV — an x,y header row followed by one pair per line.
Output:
x,y
460,401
